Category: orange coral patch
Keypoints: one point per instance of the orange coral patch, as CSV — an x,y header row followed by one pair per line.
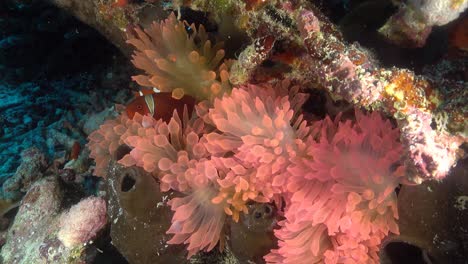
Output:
x,y
406,91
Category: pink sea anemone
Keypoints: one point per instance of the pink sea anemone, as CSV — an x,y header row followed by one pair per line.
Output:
x,y
346,182
197,221
172,151
257,132
260,127
175,61
104,142
363,162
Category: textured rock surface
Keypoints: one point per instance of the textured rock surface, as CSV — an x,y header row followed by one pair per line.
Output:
x,y
33,164
32,238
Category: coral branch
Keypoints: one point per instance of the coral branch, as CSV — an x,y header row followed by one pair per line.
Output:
x,y
344,70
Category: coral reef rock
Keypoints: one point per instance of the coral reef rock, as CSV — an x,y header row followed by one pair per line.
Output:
x,y
33,236
33,164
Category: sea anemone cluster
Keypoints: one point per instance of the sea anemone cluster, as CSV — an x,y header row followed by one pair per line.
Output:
x,y
332,181
178,62
341,191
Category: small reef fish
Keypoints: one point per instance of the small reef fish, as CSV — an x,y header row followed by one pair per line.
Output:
x,y
120,3
159,105
459,34
75,150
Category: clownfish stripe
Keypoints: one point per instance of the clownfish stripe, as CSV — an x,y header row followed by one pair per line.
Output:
x,y
150,103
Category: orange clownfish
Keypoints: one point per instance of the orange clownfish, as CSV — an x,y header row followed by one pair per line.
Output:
x,y
159,105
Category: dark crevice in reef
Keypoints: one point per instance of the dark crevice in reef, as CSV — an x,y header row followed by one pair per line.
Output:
x,y
53,71
41,41
108,254
363,29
